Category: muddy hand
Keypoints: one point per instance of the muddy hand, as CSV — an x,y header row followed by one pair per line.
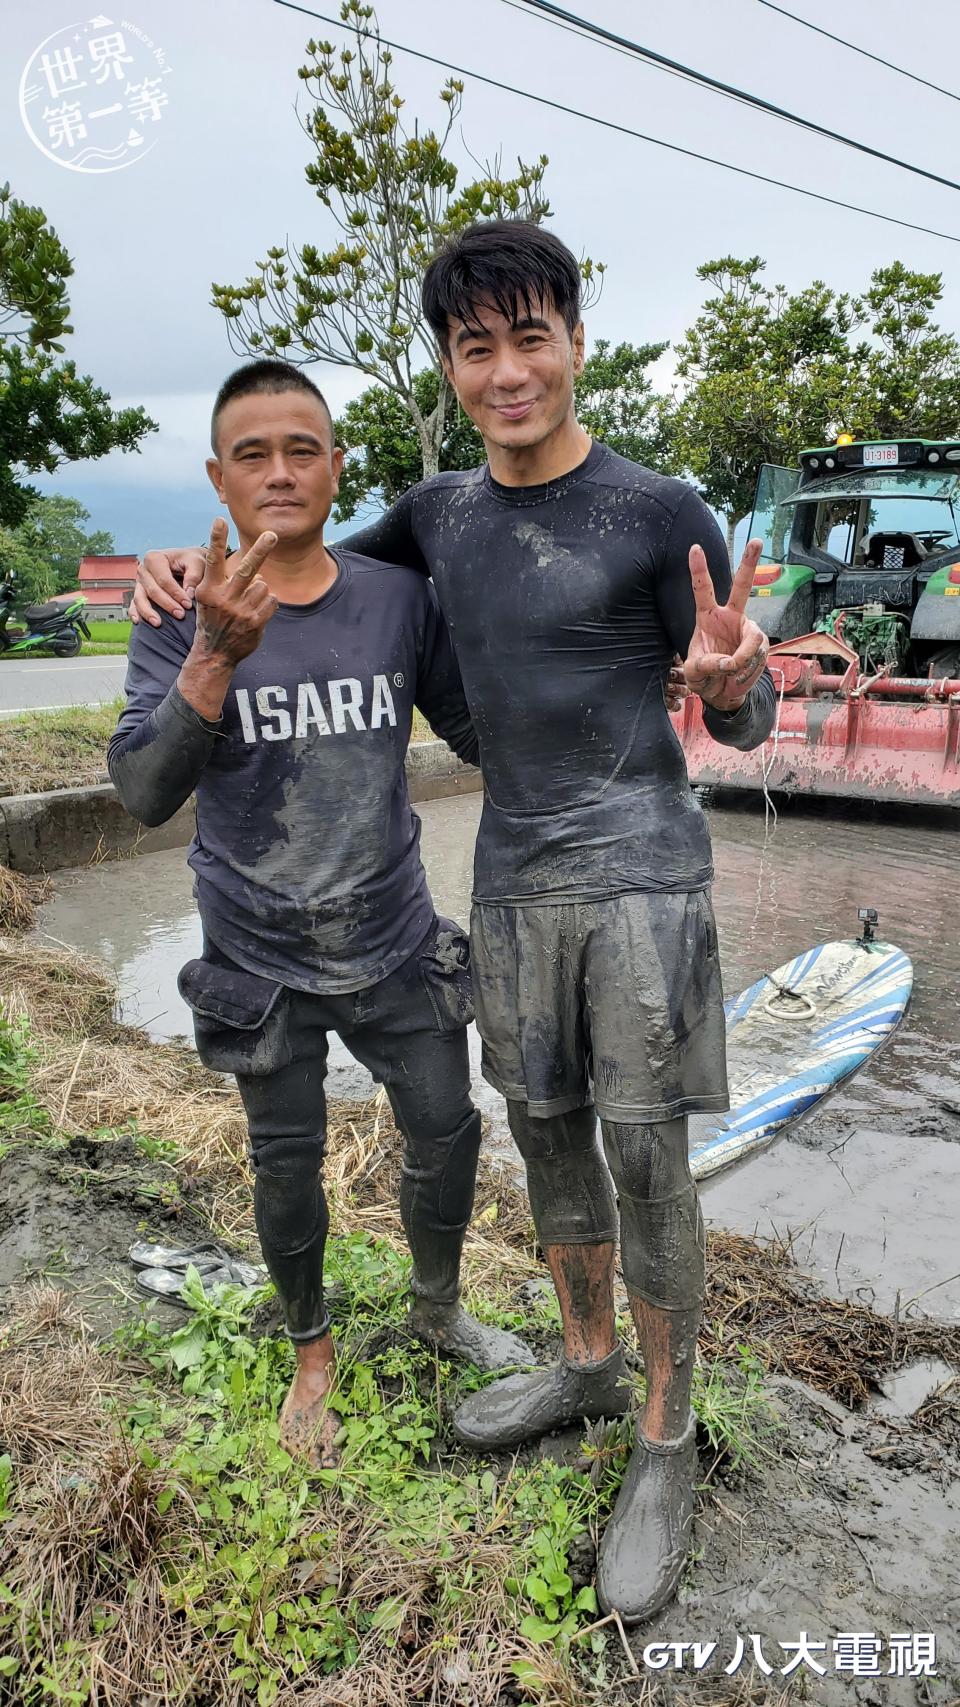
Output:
x,y
728,652
166,581
232,610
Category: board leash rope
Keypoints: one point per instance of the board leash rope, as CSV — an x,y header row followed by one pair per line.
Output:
x,y
804,1008
769,809
767,763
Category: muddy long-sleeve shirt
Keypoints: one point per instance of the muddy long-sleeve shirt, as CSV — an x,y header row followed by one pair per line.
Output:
x,y
566,604
307,851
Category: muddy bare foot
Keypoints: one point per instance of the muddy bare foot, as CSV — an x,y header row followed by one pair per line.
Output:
x,y
308,1427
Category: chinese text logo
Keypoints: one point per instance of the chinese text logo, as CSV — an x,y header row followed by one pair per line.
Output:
x,y
93,94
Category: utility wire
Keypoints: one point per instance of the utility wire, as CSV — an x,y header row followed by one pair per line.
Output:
x,y
901,71
583,34
620,129
557,15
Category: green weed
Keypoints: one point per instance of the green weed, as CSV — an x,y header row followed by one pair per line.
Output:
x,y
18,1106
731,1404
265,1571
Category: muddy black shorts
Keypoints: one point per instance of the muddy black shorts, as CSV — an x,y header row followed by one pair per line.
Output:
x,y
615,1002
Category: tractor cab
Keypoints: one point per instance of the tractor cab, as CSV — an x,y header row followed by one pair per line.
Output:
x,y
862,542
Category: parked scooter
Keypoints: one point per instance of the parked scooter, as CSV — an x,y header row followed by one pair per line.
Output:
x,y
54,627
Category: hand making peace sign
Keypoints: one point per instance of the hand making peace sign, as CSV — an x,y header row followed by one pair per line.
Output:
x,y
233,609
727,652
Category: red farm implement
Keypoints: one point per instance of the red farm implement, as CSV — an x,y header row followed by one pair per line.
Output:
x,y
859,736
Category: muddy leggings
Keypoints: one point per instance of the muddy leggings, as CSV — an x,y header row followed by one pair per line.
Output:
x,y
573,1202
286,1114
410,1032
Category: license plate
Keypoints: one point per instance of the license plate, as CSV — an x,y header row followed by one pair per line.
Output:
x,y
764,592
952,592
877,456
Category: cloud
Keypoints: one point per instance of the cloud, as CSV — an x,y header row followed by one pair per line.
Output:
x,y
175,455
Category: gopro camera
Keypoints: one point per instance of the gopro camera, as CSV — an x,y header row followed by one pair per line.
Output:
x,y
869,918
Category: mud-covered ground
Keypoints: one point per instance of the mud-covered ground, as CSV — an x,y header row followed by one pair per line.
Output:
x,y
69,1215
850,1522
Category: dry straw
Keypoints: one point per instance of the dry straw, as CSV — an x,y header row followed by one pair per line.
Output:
x,y
87,1541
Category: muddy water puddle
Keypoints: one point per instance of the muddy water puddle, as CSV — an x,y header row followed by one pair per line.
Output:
x,y
869,1189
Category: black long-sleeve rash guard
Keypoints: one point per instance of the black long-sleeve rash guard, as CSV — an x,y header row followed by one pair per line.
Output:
x,y
307,852
566,604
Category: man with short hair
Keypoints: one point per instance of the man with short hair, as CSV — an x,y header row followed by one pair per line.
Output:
x,y
286,701
569,577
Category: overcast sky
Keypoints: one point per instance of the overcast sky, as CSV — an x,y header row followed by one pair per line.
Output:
x,y
224,179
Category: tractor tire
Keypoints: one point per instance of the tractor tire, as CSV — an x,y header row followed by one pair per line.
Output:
x,y
68,646
945,663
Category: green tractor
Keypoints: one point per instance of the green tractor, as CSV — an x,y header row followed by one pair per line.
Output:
x,y
858,589
864,544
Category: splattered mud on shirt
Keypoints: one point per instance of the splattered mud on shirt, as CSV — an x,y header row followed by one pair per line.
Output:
x,y
307,852
566,604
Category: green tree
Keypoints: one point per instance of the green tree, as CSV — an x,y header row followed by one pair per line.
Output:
x,y
49,414
33,579
763,373
45,549
391,191
384,451
616,403
908,378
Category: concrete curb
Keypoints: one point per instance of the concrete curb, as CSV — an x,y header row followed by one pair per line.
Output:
x,y
74,826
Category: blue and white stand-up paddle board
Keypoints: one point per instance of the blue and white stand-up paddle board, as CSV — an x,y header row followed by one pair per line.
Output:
x,y
795,1035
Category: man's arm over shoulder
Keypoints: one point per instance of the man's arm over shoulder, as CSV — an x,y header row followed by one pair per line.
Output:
x,y
391,538
693,524
440,694
161,744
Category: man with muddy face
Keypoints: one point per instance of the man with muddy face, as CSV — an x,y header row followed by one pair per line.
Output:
x,y
285,701
569,577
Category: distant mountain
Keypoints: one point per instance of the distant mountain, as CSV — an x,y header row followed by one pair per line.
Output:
x,y
143,516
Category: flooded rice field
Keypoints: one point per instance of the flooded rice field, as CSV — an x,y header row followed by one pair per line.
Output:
x,y
869,1188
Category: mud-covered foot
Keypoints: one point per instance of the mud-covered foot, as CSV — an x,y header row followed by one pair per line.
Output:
x,y
308,1427
644,1545
521,1407
455,1333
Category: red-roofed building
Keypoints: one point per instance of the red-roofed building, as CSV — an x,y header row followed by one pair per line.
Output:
x,y
108,584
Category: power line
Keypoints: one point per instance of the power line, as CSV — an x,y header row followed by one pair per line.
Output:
x,y
620,129
899,69
584,35
556,14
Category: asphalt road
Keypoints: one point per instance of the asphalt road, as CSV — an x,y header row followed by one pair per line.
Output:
x,y
34,684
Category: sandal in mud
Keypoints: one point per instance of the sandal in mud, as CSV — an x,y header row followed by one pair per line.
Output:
x,y
162,1269
179,1258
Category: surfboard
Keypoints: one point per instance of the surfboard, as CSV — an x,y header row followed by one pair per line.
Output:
x,y
795,1035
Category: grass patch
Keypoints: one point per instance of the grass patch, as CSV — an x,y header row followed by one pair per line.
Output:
x,y
41,750
19,1109
56,749
159,1543
156,1542
107,639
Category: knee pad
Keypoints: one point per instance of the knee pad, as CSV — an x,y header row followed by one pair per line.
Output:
x,y
289,1202
439,1175
568,1184
661,1227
